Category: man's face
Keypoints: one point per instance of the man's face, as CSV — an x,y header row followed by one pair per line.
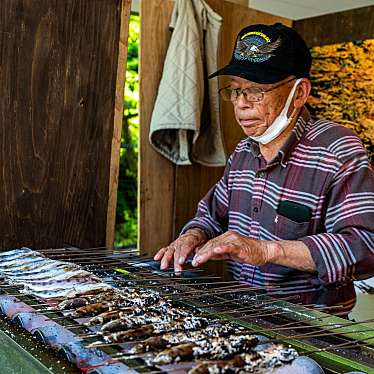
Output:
x,y
255,117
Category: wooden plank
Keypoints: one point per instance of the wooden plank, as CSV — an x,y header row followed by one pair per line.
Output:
x,y
58,64
350,25
156,189
118,119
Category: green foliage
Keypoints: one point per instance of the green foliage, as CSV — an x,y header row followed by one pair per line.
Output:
x,y
127,213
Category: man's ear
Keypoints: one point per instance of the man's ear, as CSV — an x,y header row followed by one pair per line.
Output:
x,y
302,93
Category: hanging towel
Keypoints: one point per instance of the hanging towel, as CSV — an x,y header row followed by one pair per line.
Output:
x,y
185,125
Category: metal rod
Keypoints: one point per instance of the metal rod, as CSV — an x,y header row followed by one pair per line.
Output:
x,y
306,336
335,346
92,345
54,250
248,308
163,281
216,292
278,328
213,290
96,252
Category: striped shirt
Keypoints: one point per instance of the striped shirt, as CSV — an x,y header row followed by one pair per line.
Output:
x,y
322,166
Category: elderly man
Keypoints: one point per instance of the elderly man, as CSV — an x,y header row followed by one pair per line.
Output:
x,y
295,206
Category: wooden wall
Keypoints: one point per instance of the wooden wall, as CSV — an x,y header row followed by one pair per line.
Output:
x,y
350,25
168,194
58,74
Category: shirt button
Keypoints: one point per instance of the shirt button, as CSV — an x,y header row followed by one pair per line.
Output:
x,y
255,209
261,174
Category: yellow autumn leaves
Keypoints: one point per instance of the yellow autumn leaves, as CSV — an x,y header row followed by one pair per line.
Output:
x,y
343,87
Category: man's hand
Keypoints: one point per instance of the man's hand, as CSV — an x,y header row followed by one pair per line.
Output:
x,y
234,246
179,250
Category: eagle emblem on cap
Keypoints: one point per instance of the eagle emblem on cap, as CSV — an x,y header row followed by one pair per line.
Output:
x,y
248,50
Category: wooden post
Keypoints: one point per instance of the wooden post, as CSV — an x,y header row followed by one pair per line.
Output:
x,y
118,119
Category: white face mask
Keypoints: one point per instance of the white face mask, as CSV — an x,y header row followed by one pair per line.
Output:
x,y
280,123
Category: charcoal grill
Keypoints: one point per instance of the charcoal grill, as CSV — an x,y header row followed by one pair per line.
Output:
x,y
308,329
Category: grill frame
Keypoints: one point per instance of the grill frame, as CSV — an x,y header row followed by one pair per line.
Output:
x,y
137,270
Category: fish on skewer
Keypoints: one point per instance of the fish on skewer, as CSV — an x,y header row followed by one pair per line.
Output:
x,y
76,302
8,255
42,269
44,275
63,284
142,316
18,259
77,275
131,321
163,341
262,360
23,264
108,315
240,363
188,323
89,309
76,290
214,348
73,303
120,301
117,311
181,352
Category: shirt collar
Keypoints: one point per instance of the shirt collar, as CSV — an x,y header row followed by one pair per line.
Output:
x,y
295,136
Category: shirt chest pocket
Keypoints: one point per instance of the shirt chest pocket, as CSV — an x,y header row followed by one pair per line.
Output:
x,y
287,229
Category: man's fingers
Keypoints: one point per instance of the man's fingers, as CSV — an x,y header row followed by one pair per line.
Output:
x,y
160,253
214,251
166,259
185,251
226,249
177,266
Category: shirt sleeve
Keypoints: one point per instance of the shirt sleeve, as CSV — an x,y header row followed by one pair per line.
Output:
x,y
212,210
346,250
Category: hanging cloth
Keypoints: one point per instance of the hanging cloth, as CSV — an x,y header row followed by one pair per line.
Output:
x,y
185,125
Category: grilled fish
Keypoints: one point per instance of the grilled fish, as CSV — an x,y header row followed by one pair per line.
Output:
x,y
261,360
8,255
240,363
72,303
63,276
76,290
21,263
42,269
162,341
109,315
224,347
90,309
188,323
54,286
174,354
123,336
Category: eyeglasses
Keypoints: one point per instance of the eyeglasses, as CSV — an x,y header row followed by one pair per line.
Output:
x,y
251,95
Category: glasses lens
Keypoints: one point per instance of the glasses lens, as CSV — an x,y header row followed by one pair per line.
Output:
x,y
226,94
232,94
252,96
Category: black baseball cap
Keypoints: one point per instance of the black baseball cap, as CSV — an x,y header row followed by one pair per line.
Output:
x,y
268,54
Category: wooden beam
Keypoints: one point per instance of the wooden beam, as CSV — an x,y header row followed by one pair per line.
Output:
x,y
118,119
156,174
350,25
